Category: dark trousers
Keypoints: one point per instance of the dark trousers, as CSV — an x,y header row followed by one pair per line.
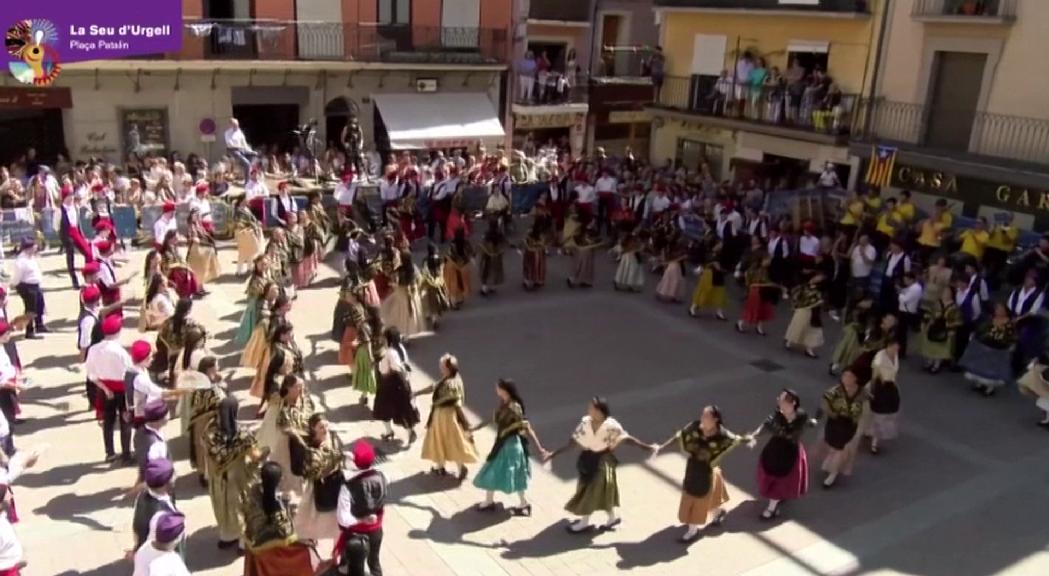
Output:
x,y
363,549
961,339
908,323
70,251
115,413
33,300
605,205
994,262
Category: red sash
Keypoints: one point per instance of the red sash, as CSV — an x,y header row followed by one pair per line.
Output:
x,y
114,386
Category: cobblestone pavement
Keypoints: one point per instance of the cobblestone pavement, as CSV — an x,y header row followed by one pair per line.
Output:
x,y
962,492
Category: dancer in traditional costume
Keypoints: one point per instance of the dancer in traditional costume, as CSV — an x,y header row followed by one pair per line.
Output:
x,y
876,338
1025,304
587,243
534,261
434,293
271,545
706,441
884,392
174,267
507,468
296,242
109,284
762,294
366,357
672,283
710,290
597,435
247,230
201,253
448,437
394,401
843,406
457,270
319,218
256,291
491,258
318,458
315,241
630,274
258,344
1035,384
288,414
783,468
232,451
203,409
939,326
158,305
106,364
284,357
403,308
988,359
806,326
849,348
154,499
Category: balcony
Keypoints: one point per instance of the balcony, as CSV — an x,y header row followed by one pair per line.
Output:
x,y
858,7
558,93
623,65
272,40
560,11
980,136
814,116
965,11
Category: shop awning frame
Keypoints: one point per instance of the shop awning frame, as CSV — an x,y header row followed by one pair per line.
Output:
x,y
439,120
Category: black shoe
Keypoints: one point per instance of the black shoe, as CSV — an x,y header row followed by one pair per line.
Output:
x,y
611,525
525,511
487,507
111,457
127,460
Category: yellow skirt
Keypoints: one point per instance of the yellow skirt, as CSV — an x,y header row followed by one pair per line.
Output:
x,y
249,245
697,510
258,383
707,295
446,440
204,262
457,282
256,348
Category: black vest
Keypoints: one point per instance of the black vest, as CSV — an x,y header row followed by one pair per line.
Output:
x,y
96,330
368,493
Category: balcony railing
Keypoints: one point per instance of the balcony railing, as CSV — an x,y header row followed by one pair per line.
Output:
x,y
965,10
859,6
297,40
560,10
812,111
627,63
979,134
557,89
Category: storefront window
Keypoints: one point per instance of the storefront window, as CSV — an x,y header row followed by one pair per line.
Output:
x,y
692,153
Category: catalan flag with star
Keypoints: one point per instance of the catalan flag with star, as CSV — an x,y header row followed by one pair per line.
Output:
x,y
883,160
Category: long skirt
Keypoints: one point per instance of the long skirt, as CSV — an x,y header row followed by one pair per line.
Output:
x,y
935,350
248,320
757,309
492,270
848,348
583,267
693,510
272,437
204,262
312,524
371,295
508,471
568,233
630,274
348,346
249,245
185,281
839,454
394,401
457,282
707,295
446,440
985,365
225,492
792,486
800,331
671,284
456,221
401,310
599,492
199,453
382,286
434,301
256,348
291,560
300,273
258,382
534,267
363,372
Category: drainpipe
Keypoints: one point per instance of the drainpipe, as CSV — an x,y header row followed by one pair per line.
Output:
x,y
869,116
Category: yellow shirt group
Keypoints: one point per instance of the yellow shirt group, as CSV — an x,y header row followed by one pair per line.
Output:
x,y
1004,238
889,222
974,241
853,213
931,229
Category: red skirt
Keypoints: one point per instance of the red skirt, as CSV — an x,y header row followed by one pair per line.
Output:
x,y
293,560
455,222
756,309
382,286
790,487
258,208
185,282
535,267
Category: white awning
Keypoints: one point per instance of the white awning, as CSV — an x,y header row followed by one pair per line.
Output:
x,y
810,46
441,120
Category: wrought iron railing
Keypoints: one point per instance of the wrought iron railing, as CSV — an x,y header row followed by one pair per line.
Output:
x,y
812,109
861,6
555,88
624,62
297,40
992,135
1005,9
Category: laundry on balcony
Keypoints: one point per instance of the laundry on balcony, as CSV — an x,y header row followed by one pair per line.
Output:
x,y
200,29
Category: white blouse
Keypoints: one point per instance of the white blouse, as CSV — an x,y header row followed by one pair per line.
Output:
x,y
607,434
884,367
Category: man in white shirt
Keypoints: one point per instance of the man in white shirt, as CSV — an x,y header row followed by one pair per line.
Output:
x,y
10,380
861,261
159,556
910,312
606,187
585,197
808,245
165,224
27,279
346,193
238,148
829,179
143,389
389,192
359,513
658,203
107,364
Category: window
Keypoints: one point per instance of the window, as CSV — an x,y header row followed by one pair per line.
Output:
x,y
395,11
692,153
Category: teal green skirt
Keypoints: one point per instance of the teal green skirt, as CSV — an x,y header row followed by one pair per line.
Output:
x,y
363,372
248,320
508,472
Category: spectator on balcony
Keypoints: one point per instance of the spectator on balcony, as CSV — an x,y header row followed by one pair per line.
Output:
x,y
722,93
744,66
826,117
526,69
795,80
656,68
238,148
756,85
774,86
542,73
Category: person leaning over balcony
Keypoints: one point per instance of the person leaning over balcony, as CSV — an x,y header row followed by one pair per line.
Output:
x,y
526,69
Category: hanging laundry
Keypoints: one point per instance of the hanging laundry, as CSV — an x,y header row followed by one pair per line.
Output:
x,y
200,29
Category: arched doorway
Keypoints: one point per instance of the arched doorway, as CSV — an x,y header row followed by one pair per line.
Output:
x,y
336,115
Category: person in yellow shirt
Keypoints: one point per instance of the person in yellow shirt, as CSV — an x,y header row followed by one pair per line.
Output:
x,y
932,229
889,222
1000,245
905,207
853,218
975,239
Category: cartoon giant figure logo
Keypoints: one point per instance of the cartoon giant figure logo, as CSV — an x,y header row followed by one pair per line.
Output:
x,y
33,42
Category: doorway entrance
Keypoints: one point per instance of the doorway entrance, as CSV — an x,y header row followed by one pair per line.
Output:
x,y
269,126
954,97
336,116
40,129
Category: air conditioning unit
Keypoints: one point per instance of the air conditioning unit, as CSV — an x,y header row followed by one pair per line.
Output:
x,y
426,85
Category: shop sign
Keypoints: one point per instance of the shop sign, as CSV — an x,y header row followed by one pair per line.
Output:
x,y
537,121
628,117
98,144
145,130
39,98
971,190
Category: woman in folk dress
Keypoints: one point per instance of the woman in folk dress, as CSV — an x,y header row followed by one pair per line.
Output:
x,y
491,255
630,274
988,359
231,452
849,348
587,243
762,294
403,308
318,458
278,322
710,290
248,234
296,242
289,413
806,328
706,441
884,401
434,292
394,401
457,269
843,407
448,437
258,343
256,292
783,468
534,261
939,326
672,283
158,304
201,255
598,435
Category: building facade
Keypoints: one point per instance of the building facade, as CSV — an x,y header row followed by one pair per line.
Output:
x,y
275,64
763,88
959,93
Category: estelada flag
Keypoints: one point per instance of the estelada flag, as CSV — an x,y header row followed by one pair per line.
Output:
x,y
883,160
